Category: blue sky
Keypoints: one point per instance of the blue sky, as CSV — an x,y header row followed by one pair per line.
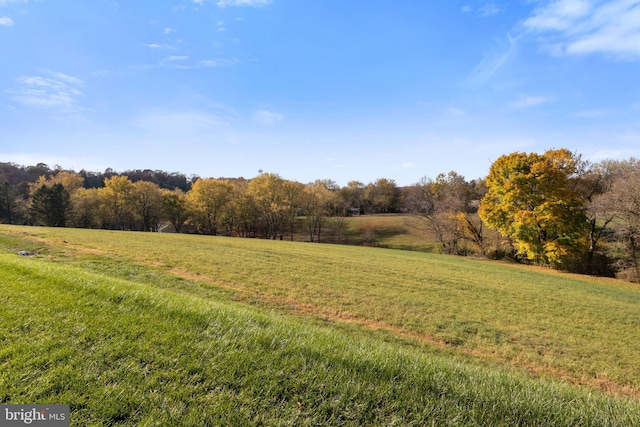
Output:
x,y
316,89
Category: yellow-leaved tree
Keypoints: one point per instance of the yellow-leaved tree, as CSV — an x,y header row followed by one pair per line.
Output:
x,y
209,200
535,200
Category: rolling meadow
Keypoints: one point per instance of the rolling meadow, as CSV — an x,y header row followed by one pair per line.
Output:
x,y
134,328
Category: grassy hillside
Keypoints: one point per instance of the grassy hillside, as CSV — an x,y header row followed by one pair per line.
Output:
x,y
396,231
150,329
392,231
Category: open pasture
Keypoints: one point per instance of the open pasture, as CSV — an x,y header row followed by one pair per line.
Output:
x,y
296,333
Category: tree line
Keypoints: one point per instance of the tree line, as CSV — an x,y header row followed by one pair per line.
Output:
x,y
264,206
551,209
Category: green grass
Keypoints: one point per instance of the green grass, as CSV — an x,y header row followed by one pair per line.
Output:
x,y
580,328
390,231
396,231
150,329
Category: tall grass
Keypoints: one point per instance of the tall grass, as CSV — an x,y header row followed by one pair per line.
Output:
x,y
122,352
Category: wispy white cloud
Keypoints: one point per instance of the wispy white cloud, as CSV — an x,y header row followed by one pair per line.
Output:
x,y
183,62
251,3
266,117
529,101
559,15
492,62
6,21
489,9
580,27
174,58
158,46
168,30
220,62
51,90
466,8
66,78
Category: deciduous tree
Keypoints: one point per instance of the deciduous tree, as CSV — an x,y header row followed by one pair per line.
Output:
x,y
174,208
208,200
443,205
115,198
85,210
595,185
72,181
318,205
622,200
242,213
535,199
293,201
146,202
273,205
381,196
353,197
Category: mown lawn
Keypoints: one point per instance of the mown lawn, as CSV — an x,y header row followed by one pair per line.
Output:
x,y
151,329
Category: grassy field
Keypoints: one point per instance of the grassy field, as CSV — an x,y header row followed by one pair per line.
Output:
x,y
392,231
152,329
395,231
